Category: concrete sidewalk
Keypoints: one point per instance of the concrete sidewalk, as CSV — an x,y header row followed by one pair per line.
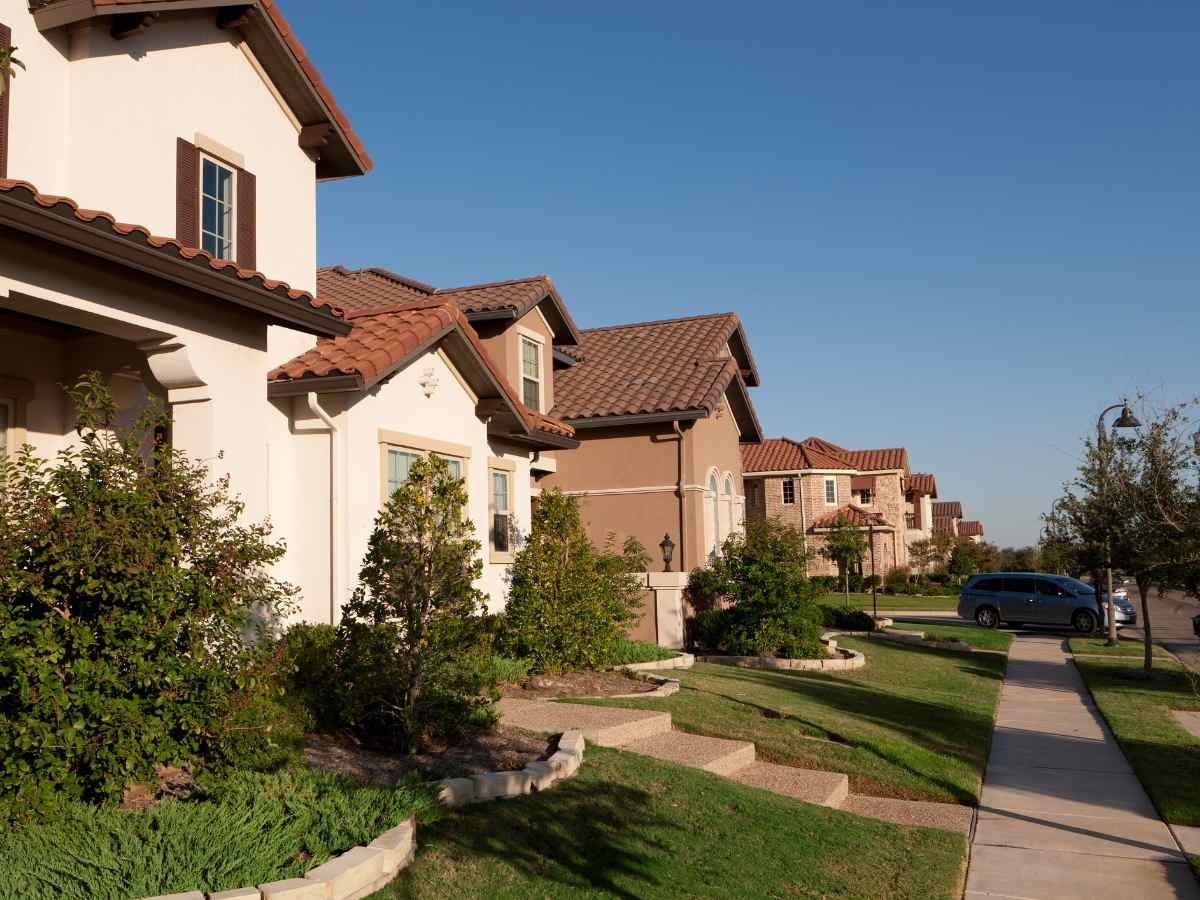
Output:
x,y
1062,814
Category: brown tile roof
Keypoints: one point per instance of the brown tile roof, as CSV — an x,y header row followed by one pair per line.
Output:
x,y
922,483
280,24
856,516
363,289
948,509
944,524
970,529
786,455
864,460
666,366
22,192
383,339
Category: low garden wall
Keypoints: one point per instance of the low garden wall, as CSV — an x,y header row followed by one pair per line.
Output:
x,y
361,871
841,660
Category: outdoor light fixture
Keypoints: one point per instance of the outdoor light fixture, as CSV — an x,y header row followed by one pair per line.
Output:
x,y
1128,419
668,550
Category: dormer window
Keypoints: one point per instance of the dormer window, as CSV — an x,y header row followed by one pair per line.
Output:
x,y
216,208
531,374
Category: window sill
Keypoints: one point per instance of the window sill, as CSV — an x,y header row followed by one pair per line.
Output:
x,y
496,556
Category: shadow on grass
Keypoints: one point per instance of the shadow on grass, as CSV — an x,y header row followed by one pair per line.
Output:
x,y
582,835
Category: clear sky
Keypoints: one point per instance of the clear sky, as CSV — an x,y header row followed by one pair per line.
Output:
x,y
959,229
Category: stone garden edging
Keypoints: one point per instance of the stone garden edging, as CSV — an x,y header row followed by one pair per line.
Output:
x,y
844,660
681,661
361,871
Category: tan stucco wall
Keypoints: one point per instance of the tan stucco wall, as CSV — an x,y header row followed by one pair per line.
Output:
x,y
502,340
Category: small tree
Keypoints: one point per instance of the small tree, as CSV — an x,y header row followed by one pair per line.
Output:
x,y
961,562
924,554
415,587
845,545
567,601
8,66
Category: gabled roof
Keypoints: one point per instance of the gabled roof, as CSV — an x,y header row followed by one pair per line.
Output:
x,y
672,368
855,515
970,529
60,220
362,289
787,455
923,483
326,130
863,460
385,340
951,509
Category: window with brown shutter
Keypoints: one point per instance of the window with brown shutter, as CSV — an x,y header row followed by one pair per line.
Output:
x,y
230,202
5,43
187,193
243,247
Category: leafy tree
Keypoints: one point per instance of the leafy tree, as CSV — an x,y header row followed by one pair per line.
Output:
x,y
567,601
924,554
8,66
961,562
416,588
129,583
845,545
985,557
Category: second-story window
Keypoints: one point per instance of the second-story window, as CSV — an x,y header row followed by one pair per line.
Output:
x,y
531,374
216,208
866,497
831,492
789,491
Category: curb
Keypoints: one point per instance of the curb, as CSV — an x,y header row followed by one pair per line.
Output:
x,y
361,871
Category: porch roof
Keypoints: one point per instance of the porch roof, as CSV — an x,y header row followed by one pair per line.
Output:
x,y
60,220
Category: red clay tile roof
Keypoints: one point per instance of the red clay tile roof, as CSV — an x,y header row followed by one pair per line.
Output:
x,y
876,460
970,529
786,455
271,8
25,193
950,509
667,366
944,524
363,289
922,483
383,339
856,516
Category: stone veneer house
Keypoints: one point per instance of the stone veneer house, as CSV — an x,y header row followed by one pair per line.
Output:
x,y
946,516
972,531
811,483
920,490
660,410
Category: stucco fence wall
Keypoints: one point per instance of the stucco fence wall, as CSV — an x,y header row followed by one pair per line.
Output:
x,y
361,871
661,620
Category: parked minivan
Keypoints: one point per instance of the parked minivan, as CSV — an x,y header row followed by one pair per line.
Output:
x,y
1020,598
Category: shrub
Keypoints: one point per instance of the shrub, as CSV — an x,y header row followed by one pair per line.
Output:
x,y
825,583
311,675
625,652
709,627
128,586
848,619
871,581
567,601
897,581
243,830
856,583
505,669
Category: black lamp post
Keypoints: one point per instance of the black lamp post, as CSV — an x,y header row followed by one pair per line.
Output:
x,y
667,546
1126,420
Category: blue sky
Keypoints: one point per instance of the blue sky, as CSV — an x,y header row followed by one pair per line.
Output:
x,y
959,230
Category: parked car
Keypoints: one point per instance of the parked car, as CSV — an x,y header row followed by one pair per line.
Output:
x,y
1019,598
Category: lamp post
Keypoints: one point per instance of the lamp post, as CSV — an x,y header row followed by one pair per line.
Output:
x,y
1126,420
667,546
874,580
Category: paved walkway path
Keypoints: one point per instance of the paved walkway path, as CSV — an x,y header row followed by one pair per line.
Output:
x,y
1062,814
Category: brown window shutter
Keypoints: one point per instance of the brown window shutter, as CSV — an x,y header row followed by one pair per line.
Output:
x,y
5,42
246,215
187,193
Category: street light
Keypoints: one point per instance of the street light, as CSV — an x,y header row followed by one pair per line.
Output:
x,y
667,546
1126,420
874,580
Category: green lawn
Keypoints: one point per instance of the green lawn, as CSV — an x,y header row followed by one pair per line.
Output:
x,y
890,601
1164,755
981,638
914,723
1127,647
629,826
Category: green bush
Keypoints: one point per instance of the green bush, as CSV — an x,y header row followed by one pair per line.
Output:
x,y
128,585
847,619
238,831
856,583
311,673
625,652
825,583
505,669
871,581
708,629
897,581
567,601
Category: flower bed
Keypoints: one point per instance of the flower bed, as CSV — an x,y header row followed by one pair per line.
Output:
x,y
840,660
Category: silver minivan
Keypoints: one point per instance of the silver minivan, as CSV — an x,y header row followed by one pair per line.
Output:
x,y
1033,598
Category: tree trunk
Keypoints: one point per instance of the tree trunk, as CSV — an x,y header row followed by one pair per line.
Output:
x,y
845,585
1144,591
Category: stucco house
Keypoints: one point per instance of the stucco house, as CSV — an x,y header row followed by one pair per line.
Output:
x,y
811,483
920,490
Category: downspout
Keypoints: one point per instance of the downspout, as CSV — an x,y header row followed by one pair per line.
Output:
x,y
335,504
682,512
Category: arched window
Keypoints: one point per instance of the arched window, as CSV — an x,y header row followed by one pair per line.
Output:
x,y
711,537
725,512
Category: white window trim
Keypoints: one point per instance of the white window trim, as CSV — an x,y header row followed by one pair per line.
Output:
x,y
834,501
509,468
523,335
783,492
233,210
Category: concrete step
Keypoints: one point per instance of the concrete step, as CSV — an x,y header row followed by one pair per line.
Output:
x,y
604,726
822,788
946,816
716,755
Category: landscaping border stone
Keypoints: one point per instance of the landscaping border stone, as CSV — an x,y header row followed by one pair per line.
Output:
x,y
665,688
681,661
843,661
361,871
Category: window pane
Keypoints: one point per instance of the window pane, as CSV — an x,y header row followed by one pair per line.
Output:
x,y
209,217
210,178
399,464
530,392
831,492
225,186
210,244
728,487
454,465
530,361
500,492
500,533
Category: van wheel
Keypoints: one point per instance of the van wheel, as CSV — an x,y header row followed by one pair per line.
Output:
x,y
987,617
1084,621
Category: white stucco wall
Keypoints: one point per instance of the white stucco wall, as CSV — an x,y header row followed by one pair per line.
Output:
x,y
97,120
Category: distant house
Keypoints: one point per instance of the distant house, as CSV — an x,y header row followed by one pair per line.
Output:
x,y
920,490
946,516
811,483
972,531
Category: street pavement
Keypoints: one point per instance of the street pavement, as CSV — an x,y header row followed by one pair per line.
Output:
x,y
1061,814
1170,623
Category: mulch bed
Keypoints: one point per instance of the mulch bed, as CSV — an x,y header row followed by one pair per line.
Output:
x,y
576,684
500,750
